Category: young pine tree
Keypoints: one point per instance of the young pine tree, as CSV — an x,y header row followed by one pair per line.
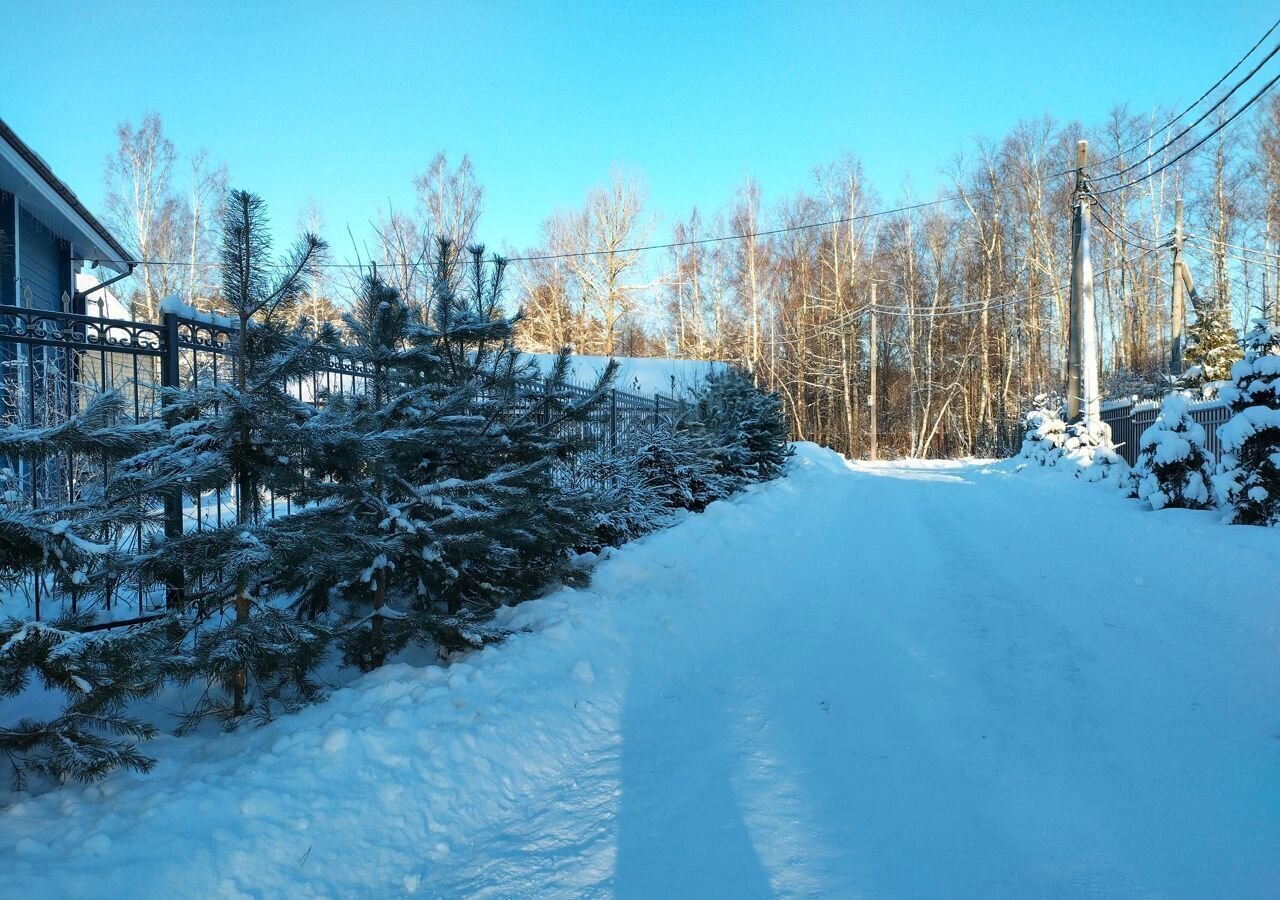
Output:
x,y
72,542
1045,433
680,467
627,503
244,438
1248,476
1212,344
441,497
744,427
98,675
1173,469
45,534
521,521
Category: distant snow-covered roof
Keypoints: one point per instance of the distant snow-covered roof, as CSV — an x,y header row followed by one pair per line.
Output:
x,y
637,375
100,303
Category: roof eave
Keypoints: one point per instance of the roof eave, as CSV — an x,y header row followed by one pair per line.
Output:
x,y
37,171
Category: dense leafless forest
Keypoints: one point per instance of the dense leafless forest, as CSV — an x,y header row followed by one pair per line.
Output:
x,y
971,280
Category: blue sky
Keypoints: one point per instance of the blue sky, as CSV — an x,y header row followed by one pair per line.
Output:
x,y
346,102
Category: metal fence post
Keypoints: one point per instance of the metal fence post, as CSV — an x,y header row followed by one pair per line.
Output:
x,y
169,378
613,418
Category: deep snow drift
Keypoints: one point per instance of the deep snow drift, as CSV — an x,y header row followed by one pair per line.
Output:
x,y
939,680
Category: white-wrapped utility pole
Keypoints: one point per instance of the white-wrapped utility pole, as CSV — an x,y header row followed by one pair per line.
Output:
x,y
1178,313
1083,398
874,346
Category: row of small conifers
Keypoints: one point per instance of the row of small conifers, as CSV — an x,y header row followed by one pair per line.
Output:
x,y
1173,469
418,505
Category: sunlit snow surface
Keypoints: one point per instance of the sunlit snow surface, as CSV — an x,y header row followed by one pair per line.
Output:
x,y
891,681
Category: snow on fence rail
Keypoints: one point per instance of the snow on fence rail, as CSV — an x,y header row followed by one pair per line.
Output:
x,y
52,363
1128,419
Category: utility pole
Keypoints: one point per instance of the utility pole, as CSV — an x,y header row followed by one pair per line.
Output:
x,y
1083,401
1268,314
1179,312
871,398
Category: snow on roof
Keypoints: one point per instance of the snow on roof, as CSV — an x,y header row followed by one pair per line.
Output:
x,y
636,375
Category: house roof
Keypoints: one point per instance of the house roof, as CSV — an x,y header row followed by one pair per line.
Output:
x,y
55,203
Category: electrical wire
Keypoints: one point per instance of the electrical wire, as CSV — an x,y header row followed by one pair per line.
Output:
x,y
1265,254
1138,244
845,220
1195,103
1124,241
1253,261
1184,132
1248,103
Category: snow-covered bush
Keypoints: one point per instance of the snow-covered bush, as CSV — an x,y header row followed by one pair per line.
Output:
x,y
1089,447
1086,449
626,504
731,434
1173,469
744,426
1248,475
680,468
1045,434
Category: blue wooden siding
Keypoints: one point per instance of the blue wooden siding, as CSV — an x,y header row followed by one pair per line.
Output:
x,y
44,264
7,293
9,371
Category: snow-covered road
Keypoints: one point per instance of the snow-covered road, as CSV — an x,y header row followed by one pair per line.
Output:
x,y
929,681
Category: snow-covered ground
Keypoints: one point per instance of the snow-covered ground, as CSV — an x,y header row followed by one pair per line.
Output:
x,y
934,680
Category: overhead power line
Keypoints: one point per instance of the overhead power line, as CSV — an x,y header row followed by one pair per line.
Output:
x,y
1248,103
1213,87
1204,115
1251,257
898,210
1266,254
1138,241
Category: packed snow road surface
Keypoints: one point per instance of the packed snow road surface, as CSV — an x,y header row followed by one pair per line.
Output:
x,y
936,681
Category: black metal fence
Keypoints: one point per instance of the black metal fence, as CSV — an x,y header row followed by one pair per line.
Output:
x,y
53,363
1129,419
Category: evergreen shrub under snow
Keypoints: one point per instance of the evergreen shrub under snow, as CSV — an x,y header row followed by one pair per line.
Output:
x,y
1248,475
1087,450
679,467
628,504
1090,448
96,676
1173,469
744,426
730,435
